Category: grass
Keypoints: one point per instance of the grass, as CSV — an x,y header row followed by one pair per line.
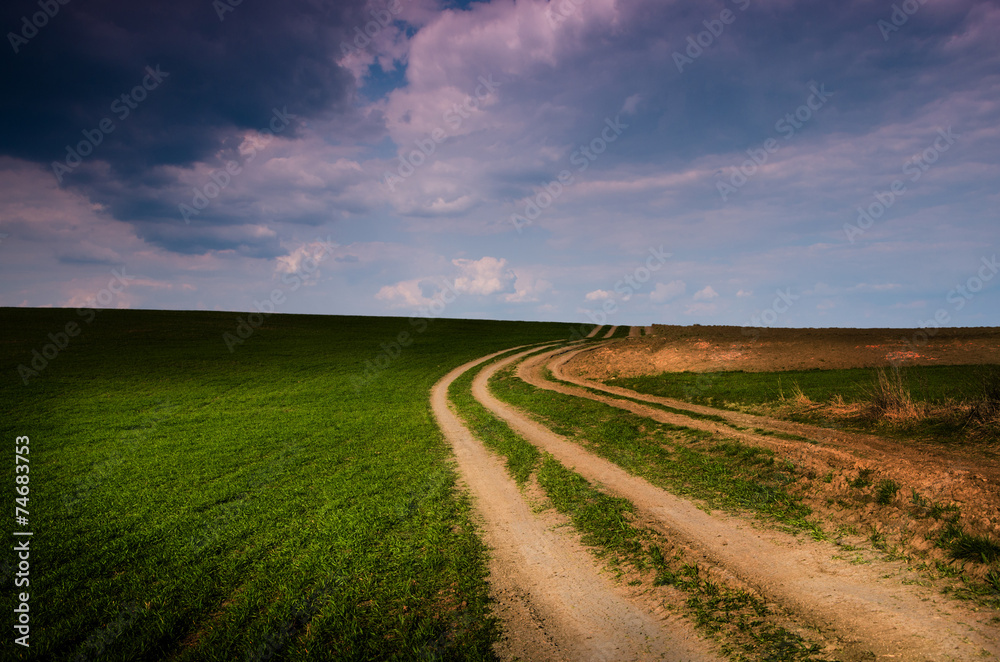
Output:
x,y
621,332
690,462
941,403
885,491
964,546
606,524
189,503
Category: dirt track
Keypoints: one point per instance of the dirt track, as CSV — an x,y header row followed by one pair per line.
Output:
x,y
553,600
862,611
944,474
551,592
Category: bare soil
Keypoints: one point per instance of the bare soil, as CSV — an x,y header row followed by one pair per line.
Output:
x,y
713,348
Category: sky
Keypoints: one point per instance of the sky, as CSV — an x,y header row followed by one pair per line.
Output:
x,y
741,162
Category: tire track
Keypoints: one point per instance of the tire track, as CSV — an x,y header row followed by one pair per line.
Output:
x,y
945,473
552,597
867,612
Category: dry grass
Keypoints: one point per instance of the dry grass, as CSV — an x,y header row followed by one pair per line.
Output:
x,y
985,411
890,400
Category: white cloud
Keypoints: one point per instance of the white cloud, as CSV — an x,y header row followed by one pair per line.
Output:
x,y
528,289
305,259
745,293
485,276
404,293
705,294
598,295
664,292
631,103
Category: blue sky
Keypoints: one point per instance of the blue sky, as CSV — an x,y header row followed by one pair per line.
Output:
x,y
733,162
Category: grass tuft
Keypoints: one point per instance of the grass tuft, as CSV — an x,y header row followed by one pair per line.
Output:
x,y
889,398
863,479
968,547
885,491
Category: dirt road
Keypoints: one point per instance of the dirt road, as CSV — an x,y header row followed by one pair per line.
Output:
x,y
945,474
552,597
865,610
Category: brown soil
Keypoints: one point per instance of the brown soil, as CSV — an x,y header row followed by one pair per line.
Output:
x,y
867,610
711,348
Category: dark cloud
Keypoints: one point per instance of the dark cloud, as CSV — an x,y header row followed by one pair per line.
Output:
x,y
218,75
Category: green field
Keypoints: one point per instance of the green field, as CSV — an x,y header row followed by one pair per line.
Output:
x,y
947,397
934,384
283,500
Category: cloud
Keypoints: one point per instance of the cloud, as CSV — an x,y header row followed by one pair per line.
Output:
x,y
667,291
744,293
404,293
485,276
304,260
529,289
631,103
598,295
705,294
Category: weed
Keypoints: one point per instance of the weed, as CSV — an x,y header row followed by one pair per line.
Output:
x,y
862,480
993,580
985,409
964,546
949,512
889,398
885,491
877,539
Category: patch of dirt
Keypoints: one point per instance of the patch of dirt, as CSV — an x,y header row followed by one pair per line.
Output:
x,y
867,606
550,594
713,348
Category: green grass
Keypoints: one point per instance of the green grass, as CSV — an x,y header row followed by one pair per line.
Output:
x,y
621,332
655,405
965,397
969,547
932,384
190,503
885,491
724,473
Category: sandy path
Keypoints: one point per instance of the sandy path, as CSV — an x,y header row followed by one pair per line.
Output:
x,y
867,613
551,596
634,331
611,332
593,332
